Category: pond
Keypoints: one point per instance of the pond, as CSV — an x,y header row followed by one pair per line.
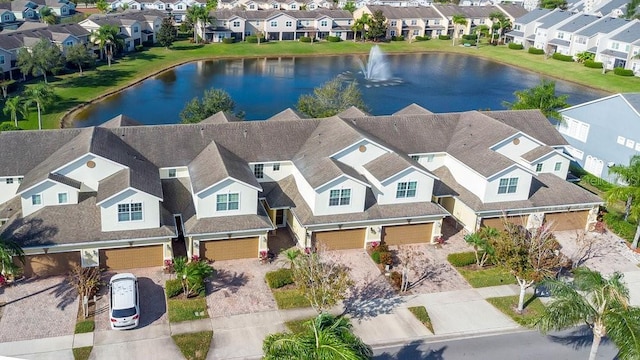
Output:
x,y
265,86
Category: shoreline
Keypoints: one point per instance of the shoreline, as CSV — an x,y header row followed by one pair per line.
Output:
x,y
67,119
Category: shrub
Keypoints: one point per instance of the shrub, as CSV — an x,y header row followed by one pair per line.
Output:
x,y
462,259
469,37
514,46
279,278
305,39
558,56
383,247
397,38
535,51
622,71
139,48
386,258
253,39
173,288
422,38
593,64
228,40
333,39
396,279
444,37
624,229
375,256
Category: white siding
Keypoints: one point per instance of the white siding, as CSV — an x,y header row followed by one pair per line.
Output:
x,y
181,171
522,190
78,170
514,151
466,177
353,157
424,188
307,192
8,191
286,168
356,203
432,161
206,201
48,191
150,212
549,165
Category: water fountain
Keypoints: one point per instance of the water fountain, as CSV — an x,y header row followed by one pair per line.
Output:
x,y
377,67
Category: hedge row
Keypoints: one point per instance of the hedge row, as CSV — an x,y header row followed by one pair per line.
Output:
x,y
228,40
397,38
444,37
535,51
619,226
593,64
622,71
254,39
558,56
279,278
333,39
422,38
514,46
462,259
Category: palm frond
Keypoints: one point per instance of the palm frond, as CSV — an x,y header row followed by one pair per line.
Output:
x,y
623,328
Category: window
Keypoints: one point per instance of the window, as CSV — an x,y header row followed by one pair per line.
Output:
x,y
539,167
9,180
36,199
430,158
508,186
236,24
129,212
436,22
179,7
558,166
414,22
226,202
415,157
392,33
340,197
172,173
258,171
293,6
160,6
574,128
394,23
63,198
7,17
615,45
287,23
581,40
2,59
620,140
560,35
323,23
276,6
135,29
134,7
273,23
20,180
630,143
252,7
68,43
406,189
416,32
276,167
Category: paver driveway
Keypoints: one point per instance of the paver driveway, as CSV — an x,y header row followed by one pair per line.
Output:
x,y
38,308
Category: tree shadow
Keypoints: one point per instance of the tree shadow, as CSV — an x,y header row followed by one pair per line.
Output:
x,y
371,299
152,302
29,232
98,78
65,292
578,338
412,351
144,55
226,280
187,47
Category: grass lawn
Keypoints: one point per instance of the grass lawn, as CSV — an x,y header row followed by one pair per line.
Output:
x,y
486,277
185,309
420,312
194,346
290,298
533,308
82,353
74,90
297,326
85,326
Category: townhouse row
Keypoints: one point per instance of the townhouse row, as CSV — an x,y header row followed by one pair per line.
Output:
x,y
123,195
614,41
13,13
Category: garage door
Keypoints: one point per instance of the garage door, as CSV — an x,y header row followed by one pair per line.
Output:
x,y
229,249
340,239
498,222
133,257
407,234
50,264
573,220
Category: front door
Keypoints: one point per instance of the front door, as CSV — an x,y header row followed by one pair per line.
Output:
x,y
280,218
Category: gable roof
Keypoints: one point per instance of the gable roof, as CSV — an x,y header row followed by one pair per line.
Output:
x,y
532,15
120,120
603,26
287,114
413,109
628,35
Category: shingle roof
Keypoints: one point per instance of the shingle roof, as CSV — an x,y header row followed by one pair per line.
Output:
x,y
578,23
628,35
533,15
65,180
120,120
387,165
617,54
406,12
554,18
230,224
537,152
633,99
413,109
532,123
611,5
287,114
514,10
559,42
603,26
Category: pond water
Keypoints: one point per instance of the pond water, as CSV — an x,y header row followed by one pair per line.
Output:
x,y
265,86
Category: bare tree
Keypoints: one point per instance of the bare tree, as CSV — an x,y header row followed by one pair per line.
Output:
x,y
414,267
86,281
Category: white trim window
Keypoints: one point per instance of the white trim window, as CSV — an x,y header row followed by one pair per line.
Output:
x,y
574,128
36,199
172,173
258,171
9,180
227,202
276,167
539,167
558,166
274,23
129,212
508,186
406,189
340,197
63,198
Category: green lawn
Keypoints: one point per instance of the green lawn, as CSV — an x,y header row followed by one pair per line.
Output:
x,y
82,353
194,346
420,312
75,90
487,277
85,326
290,298
297,326
533,308
185,309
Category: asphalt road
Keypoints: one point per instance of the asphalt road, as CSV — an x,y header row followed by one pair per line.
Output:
x,y
566,345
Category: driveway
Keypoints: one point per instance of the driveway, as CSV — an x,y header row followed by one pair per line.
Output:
x,y
38,308
605,253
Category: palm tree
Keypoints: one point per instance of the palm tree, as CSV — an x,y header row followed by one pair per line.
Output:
x,y
8,250
601,303
102,6
194,13
543,97
14,106
204,17
325,337
629,192
457,20
494,17
289,257
47,16
360,25
106,37
42,96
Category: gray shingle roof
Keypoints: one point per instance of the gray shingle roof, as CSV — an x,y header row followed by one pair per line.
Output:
x,y
65,180
537,152
113,185
603,26
633,99
617,54
554,18
229,224
514,10
220,117
533,15
559,42
628,35
406,12
578,23
611,5
287,114
387,165
120,120
532,123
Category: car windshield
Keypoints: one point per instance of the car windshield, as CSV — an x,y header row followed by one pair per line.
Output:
x,y
122,313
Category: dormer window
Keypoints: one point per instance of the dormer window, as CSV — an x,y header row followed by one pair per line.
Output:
x,y
172,173
557,167
406,189
508,186
227,202
63,198
129,212
36,199
9,180
258,171
539,167
340,197
276,167
415,157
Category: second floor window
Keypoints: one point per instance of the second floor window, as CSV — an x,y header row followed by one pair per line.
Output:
x,y
287,24
258,171
508,186
394,23
9,180
236,23
135,29
557,167
414,22
36,199
274,23
276,167
129,212
539,167
340,197
323,23
63,198
406,189
172,173
226,202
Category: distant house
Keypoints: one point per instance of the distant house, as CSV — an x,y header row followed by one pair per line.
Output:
x,y
136,27
603,132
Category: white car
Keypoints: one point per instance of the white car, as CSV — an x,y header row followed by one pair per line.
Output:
x,y
124,301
